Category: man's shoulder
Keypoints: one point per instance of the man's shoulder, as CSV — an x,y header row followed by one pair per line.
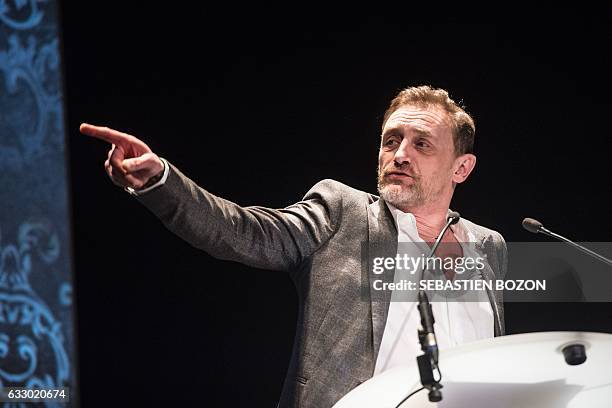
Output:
x,y
481,232
329,189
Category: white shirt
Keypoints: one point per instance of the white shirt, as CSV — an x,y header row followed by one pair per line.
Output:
x,y
456,322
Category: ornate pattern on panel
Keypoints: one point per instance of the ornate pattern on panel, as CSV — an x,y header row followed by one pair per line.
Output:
x,y
32,352
32,101
20,14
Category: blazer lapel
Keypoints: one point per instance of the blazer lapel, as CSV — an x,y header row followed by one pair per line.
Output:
x,y
495,297
382,242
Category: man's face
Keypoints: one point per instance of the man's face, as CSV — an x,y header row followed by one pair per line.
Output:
x,y
416,161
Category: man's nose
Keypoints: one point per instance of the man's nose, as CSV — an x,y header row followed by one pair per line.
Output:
x,y
404,153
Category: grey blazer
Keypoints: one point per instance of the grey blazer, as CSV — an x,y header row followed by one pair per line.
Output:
x,y
319,242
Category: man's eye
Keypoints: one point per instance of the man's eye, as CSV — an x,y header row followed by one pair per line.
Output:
x,y
422,144
390,142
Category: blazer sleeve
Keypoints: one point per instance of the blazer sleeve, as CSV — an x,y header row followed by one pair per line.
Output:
x,y
276,239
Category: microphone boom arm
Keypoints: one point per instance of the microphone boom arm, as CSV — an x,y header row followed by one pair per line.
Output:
x,y
577,246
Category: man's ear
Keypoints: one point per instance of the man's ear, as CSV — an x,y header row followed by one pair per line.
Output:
x,y
463,166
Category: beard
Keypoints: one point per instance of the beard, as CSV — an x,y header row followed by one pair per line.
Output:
x,y
400,195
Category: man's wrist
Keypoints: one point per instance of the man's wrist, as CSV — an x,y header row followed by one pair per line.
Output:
x,y
154,182
155,178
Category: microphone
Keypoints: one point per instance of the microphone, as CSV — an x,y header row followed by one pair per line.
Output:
x,y
536,227
428,361
532,225
427,335
451,219
454,215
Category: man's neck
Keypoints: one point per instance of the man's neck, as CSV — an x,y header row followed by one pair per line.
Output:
x,y
429,221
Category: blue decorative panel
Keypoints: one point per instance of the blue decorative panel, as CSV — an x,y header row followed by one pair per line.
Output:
x,y
36,317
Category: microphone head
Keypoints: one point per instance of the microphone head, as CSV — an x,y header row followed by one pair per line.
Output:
x,y
532,225
454,215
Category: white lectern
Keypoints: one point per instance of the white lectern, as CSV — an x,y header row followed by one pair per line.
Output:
x,y
522,370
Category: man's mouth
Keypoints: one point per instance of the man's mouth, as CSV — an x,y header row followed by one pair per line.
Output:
x,y
397,174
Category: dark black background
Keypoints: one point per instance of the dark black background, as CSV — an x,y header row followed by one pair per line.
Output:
x,y
257,105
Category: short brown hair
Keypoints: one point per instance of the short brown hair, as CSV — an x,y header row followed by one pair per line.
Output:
x,y
424,95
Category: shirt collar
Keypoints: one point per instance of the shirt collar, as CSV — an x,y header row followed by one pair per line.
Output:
x,y
406,220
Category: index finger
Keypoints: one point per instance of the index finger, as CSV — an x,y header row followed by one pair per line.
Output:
x,y
103,133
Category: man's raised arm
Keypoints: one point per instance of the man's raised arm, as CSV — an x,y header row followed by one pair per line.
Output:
x,y
277,239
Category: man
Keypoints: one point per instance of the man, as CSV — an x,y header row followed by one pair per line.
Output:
x,y
343,335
